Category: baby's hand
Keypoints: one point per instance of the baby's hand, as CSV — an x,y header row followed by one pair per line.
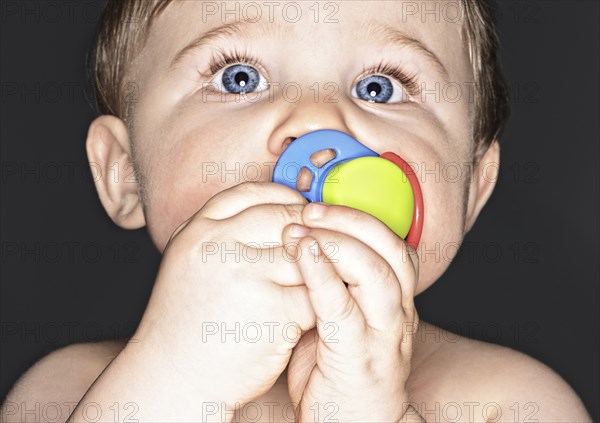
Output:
x,y
229,303
358,366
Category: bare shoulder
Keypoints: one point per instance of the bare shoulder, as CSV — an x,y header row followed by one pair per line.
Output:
x,y
61,378
492,382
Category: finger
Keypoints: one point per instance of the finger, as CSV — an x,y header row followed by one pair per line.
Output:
x,y
263,224
302,362
374,233
296,302
372,282
268,266
276,264
292,234
280,268
233,200
331,301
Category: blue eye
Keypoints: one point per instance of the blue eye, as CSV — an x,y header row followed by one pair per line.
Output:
x,y
238,79
381,89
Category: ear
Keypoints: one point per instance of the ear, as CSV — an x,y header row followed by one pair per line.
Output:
x,y
485,175
109,154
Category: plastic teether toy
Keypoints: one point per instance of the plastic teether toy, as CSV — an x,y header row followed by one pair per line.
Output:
x,y
383,185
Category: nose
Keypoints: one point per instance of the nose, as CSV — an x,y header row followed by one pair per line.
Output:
x,y
303,116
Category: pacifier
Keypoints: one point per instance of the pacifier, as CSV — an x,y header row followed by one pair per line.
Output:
x,y
384,186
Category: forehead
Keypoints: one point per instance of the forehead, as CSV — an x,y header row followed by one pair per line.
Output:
x,y
317,40
331,28
334,14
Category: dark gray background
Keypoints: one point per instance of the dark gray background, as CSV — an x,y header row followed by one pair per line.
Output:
x,y
527,277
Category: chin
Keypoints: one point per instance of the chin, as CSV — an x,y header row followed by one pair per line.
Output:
x,y
435,257
429,275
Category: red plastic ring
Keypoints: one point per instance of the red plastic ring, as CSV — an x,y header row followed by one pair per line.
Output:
x,y
414,234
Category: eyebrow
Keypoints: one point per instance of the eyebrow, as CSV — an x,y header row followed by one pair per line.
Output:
x,y
388,35
383,33
228,29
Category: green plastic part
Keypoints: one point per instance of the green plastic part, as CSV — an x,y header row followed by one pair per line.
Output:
x,y
376,186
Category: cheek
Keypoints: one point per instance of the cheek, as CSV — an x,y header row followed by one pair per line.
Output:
x,y
443,228
189,171
172,202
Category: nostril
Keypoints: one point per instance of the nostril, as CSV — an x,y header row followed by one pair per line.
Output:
x,y
288,141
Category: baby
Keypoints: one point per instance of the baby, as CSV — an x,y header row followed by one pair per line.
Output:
x,y
266,307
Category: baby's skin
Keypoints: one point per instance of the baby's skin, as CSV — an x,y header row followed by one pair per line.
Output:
x,y
330,288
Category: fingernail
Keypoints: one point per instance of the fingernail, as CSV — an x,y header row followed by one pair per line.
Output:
x,y
298,231
316,210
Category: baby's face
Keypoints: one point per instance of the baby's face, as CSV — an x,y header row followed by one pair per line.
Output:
x,y
321,61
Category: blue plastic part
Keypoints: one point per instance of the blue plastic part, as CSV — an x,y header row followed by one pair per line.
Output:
x,y
297,155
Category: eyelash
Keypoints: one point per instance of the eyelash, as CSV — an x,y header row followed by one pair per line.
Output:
x,y
222,58
408,80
